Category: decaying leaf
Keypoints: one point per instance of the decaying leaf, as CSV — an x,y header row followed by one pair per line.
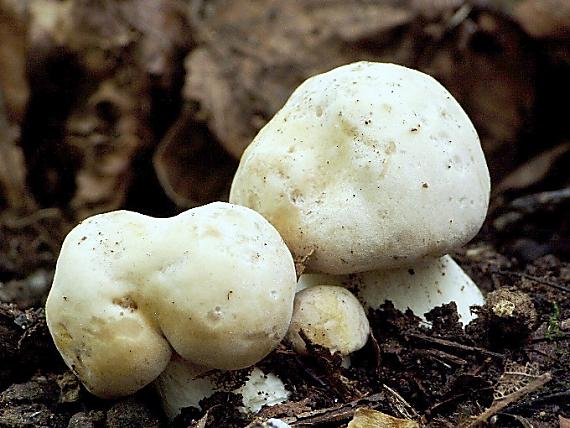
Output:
x,y
544,18
368,418
254,54
534,170
14,93
514,378
12,167
13,33
111,58
502,401
109,129
191,167
219,100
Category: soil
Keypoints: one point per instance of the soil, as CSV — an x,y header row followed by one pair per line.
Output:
x,y
150,111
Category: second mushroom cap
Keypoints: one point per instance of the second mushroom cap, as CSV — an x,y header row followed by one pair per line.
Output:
x,y
369,166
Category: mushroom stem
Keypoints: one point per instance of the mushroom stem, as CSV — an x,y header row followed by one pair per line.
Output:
x,y
419,287
183,384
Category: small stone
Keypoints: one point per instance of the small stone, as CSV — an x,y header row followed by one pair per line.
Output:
x,y
69,388
131,413
86,420
511,315
504,309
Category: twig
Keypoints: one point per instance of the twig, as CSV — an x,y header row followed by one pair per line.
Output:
x,y
377,351
310,373
435,408
554,338
453,345
527,205
502,403
407,410
334,414
443,357
530,203
459,16
522,374
201,423
544,354
546,397
540,398
29,220
534,279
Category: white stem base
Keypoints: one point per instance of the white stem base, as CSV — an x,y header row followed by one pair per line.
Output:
x,y
184,384
420,287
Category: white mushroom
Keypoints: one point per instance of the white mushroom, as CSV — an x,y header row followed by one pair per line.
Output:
x,y
274,423
183,384
329,316
369,166
420,288
262,390
130,289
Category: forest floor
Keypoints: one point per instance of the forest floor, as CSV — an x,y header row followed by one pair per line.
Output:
x,y
147,106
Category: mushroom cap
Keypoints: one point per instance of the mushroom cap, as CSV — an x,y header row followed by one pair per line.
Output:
x,y
128,288
420,287
368,166
329,316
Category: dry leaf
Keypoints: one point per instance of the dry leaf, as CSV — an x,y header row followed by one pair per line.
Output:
x,y
192,168
514,378
534,170
14,92
12,166
209,84
153,32
544,18
252,55
481,66
108,128
13,83
107,62
368,418
564,423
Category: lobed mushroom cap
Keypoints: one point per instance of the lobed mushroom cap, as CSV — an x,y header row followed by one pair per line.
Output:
x,y
368,166
129,288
